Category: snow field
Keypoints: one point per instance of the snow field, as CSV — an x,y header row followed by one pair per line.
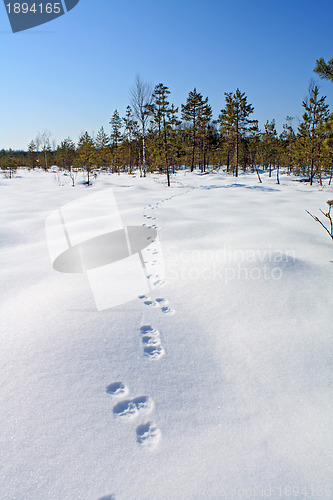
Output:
x,y
226,390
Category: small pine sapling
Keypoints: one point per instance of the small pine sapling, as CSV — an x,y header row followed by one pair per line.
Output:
x,y
328,215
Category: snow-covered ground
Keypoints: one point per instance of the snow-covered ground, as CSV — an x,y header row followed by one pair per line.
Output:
x,y
220,389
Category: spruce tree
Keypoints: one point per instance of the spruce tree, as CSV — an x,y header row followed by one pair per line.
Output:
x,y
234,118
102,140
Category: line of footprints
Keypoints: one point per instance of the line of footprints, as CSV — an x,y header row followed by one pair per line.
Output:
x,y
151,341
148,301
159,302
147,434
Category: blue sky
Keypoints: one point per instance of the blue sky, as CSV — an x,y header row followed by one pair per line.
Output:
x,y
69,75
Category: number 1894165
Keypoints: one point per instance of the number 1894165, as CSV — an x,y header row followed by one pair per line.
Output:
x,y
35,8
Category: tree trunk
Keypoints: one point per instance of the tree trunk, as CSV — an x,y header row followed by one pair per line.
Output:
x,y
130,156
311,171
258,174
193,147
143,150
204,152
237,144
139,154
166,153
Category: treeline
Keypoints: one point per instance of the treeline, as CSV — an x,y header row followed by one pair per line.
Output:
x,y
154,135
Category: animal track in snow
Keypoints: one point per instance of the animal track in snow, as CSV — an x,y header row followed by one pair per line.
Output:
x,y
152,346
149,330
117,389
143,297
162,301
132,408
151,340
154,351
150,303
159,282
168,310
148,435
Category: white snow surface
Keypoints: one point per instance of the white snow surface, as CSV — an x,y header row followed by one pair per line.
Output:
x,y
223,389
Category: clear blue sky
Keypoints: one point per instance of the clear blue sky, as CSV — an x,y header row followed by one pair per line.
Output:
x,y
69,75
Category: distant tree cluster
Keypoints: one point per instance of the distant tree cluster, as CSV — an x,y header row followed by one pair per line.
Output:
x,y
154,135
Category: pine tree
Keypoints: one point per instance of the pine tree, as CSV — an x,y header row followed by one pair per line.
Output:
x,y
204,120
130,131
328,147
324,69
270,145
234,118
254,148
116,136
192,112
65,157
310,132
9,163
163,116
65,154
32,154
102,144
287,140
86,154
176,142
